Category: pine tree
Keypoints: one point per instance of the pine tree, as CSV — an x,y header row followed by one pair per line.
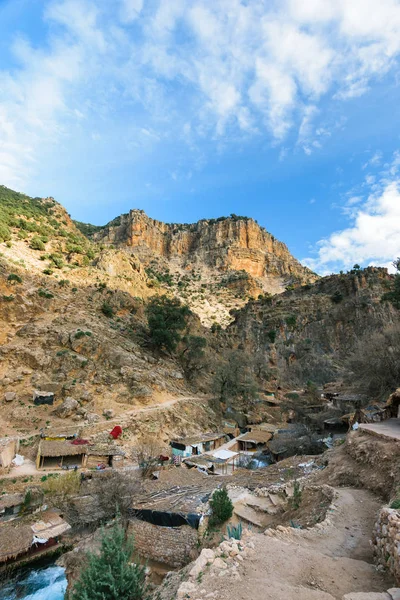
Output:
x,y
221,507
111,575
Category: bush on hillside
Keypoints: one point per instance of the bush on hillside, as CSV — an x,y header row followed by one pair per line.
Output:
x,y
166,317
107,310
221,507
14,277
37,243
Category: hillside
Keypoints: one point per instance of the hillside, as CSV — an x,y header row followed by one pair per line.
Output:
x,y
73,314
309,332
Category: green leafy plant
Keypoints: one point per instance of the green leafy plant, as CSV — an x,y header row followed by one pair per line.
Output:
x,y
271,335
395,504
111,574
37,243
107,310
45,293
166,317
221,507
235,532
14,277
297,496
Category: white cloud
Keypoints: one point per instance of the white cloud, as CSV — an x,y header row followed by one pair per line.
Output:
x,y
373,236
130,10
219,67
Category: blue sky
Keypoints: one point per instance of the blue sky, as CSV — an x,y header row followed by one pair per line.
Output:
x,y
285,111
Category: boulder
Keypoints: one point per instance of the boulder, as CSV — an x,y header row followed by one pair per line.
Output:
x,y
67,408
10,396
92,417
108,413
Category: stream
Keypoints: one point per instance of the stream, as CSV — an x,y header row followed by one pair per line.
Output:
x,y
43,583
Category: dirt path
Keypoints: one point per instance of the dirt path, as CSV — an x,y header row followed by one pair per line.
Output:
x,y
324,563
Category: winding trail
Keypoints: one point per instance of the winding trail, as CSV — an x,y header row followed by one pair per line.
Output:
x,y
324,563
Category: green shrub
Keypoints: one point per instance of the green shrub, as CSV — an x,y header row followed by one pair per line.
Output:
x,y
5,233
291,321
14,277
271,335
221,507
395,504
63,282
337,297
107,310
37,243
166,317
297,496
47,271
111,573
8,298
79,334
45,293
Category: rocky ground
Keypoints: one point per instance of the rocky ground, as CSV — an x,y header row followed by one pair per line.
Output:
x,y
332,560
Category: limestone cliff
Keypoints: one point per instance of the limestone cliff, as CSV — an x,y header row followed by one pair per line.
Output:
x,y
311,331
226,244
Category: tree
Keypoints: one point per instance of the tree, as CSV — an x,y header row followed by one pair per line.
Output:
x,y
234,378
111,575
375,364
166,318
192,355
147,454
394,295
221,507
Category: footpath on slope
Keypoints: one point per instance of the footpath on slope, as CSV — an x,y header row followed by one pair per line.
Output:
x,y
328,562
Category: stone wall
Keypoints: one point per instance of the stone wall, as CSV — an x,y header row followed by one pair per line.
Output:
x,y
173,546
387,541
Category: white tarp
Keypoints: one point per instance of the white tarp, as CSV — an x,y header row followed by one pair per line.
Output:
x,y
18,460
224,454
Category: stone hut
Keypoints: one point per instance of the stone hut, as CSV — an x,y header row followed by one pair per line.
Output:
x,y
56,454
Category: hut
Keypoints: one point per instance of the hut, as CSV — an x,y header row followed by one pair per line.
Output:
x,y
217,462
55,454
15,542
253,441
10,506
108,455
9,447
27,541
196,445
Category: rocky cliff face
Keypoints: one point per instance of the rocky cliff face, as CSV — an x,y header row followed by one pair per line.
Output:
x,y
313,329
225,244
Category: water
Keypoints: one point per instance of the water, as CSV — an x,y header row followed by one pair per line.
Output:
x,y
46,583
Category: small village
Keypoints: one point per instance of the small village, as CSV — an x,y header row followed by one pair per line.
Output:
x,y
169,506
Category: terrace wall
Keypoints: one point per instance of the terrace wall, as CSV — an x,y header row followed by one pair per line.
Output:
x,y
387,541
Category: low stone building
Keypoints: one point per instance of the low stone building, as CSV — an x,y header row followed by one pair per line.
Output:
x,y
168,524
56,454
195,445
10,506
253,441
